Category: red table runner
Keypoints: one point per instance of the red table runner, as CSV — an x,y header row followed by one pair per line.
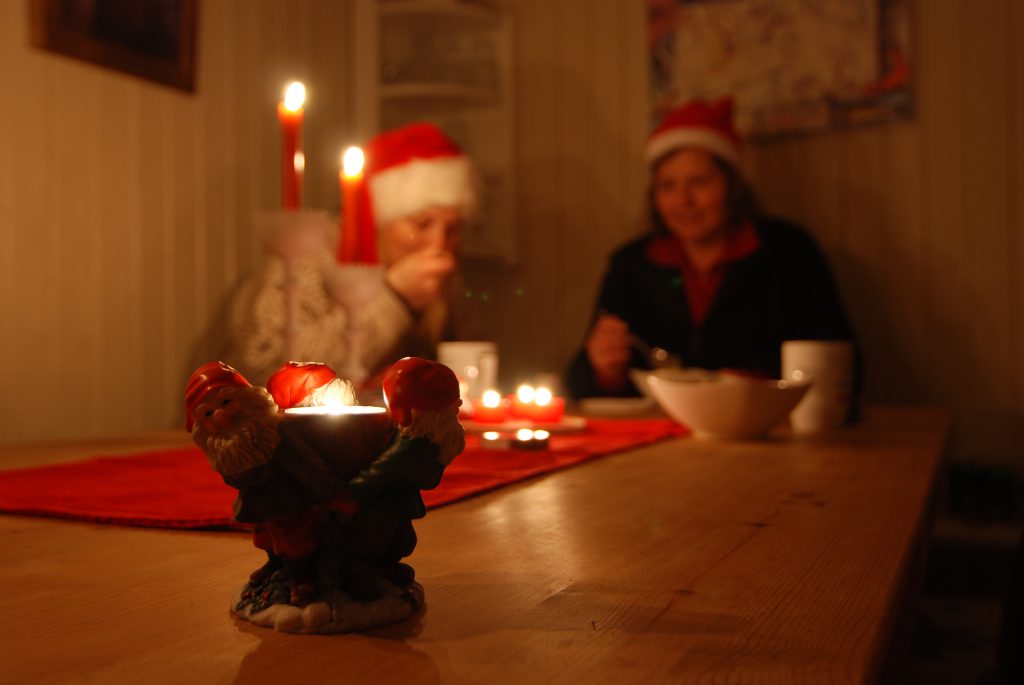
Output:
x,y
178,489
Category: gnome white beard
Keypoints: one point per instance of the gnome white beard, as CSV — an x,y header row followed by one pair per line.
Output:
x,y
250,441
441,427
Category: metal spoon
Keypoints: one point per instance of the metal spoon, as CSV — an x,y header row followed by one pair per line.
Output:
x,y
657,357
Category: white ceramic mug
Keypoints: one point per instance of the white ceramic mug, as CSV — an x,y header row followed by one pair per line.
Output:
x,y
474,362
828,364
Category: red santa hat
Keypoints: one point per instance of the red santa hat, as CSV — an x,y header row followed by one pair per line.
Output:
x,y
414,383
291,383
699,124
204,380
406,170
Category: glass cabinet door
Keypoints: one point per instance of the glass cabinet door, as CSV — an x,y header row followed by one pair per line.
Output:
x,y
446,61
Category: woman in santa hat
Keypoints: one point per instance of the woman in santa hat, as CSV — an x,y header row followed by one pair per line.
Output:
x,y
713,281
419,191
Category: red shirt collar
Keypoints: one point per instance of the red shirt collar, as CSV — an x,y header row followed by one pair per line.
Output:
x,y
665,250
701,289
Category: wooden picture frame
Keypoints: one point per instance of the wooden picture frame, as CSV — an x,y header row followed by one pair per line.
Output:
x,y
151,39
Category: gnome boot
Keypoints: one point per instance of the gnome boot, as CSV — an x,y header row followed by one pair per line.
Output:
x,y
263,573
398,573
303,580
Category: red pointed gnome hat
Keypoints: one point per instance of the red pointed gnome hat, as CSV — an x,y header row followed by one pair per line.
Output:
x,y
207,378
699,124
291,383
421,384
406,170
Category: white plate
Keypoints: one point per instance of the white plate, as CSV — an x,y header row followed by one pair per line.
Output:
x,y
616,406
568,424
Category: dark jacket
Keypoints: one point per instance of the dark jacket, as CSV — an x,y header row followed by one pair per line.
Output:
x,y
784,290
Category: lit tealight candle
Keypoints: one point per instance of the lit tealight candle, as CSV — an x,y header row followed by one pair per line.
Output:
x,y
289,113
493,440
342,434
527,439
546,407
490,408
522,402
335,410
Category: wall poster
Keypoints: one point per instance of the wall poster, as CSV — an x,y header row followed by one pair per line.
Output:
x,y
793,66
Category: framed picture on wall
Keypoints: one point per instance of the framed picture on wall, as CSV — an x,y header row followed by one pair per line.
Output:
x,y
791,66
154,39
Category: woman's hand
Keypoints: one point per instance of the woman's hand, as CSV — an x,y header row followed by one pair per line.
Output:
x,y
608,347
419,277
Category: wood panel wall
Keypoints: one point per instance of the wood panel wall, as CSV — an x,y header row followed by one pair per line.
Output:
x,y
922,221
581,116
126,210
125,207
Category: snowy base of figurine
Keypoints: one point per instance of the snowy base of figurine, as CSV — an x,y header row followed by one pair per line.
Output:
x,y
335,611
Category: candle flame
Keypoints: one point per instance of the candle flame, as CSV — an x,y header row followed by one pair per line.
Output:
x,y
491,399
299,162
352,161
334,406
524,434
525,393
542,397
541,435
491,435
294,96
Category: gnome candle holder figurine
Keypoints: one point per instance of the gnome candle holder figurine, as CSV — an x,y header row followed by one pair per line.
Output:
x,y
330,491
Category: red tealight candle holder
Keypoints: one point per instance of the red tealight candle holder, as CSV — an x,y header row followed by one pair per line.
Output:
x,y
547,409
489,408
521,404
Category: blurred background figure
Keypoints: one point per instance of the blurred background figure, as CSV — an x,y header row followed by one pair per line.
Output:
x,y
713,282
421,192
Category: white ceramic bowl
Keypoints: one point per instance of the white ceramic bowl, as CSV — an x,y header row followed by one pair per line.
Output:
x,y
725,406
640,376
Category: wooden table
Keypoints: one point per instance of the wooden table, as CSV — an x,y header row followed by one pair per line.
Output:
x,y
788,560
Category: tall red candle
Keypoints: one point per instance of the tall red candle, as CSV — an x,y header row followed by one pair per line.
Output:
x,y
350,178
289,114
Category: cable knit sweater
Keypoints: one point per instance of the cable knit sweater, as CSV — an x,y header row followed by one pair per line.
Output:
x,y
261,338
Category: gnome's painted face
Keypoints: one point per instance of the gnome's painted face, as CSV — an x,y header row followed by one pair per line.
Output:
x,y
236,427
221,409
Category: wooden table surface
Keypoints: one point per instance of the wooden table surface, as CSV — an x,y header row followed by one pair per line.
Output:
x,y
788,560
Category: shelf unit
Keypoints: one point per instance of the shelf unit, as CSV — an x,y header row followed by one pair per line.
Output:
x,y
449,62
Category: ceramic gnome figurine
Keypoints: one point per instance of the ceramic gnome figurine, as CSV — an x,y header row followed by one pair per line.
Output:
x,y
330,497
